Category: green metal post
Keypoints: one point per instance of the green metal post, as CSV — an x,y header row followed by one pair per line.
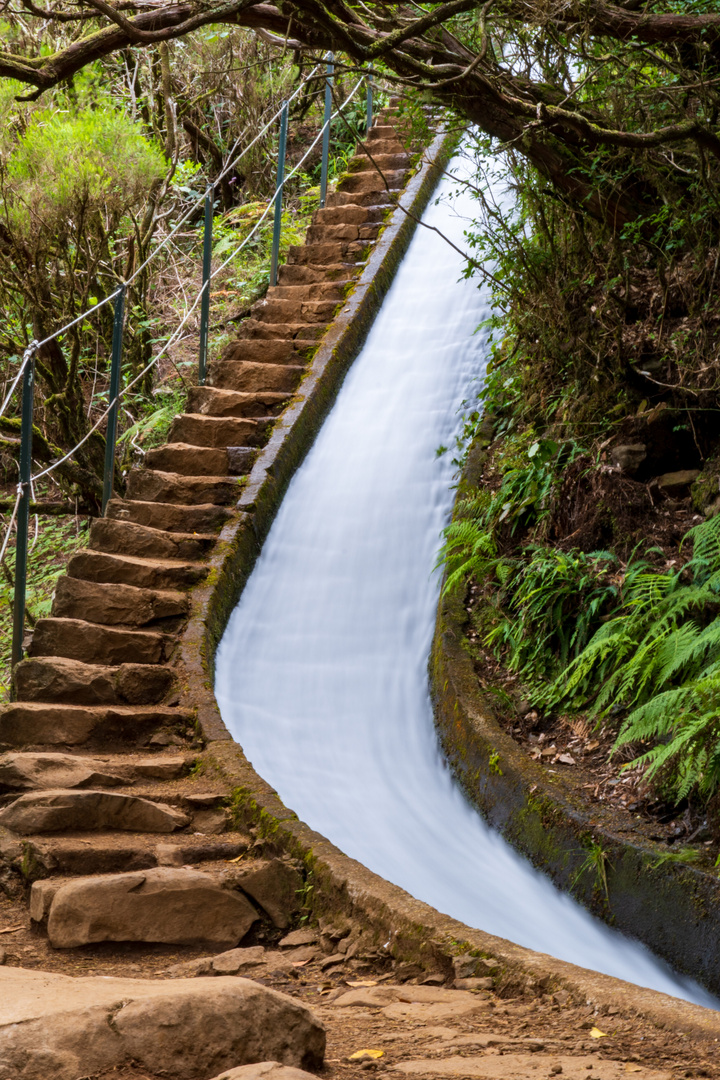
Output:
x,y
277,219
23,512
115,365
326,130
205,300
369,112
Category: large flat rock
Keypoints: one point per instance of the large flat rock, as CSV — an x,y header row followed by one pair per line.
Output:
x,y
63,1027
57,809
265,1070
163,904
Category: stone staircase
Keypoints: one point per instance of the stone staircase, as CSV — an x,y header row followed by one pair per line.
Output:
x,y
101,805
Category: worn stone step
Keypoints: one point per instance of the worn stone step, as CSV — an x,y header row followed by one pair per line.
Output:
x,y
229,375
350,214
279,310
174,906
389,145
296,274
78,639
33,770
380,197
245,349
151,485
126,538
370,180
188,460
385,162
197,429
176,519
62,809
381,131
30,723
103,567
211,401
116,605
300,333
337,251
323,234
116,853
57,679
319,290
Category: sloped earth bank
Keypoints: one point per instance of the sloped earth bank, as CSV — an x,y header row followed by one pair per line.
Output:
x,y
154,848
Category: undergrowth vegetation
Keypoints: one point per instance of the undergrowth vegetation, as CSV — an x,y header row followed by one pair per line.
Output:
x,y
589,551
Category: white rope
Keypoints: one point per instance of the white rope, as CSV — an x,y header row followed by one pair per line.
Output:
x,y
29,352
12,522
171,340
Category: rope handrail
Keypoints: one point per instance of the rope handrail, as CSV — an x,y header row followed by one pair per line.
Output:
x,y
206,285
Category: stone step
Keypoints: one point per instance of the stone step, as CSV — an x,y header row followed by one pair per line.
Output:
x,y
126,538
389,145
174,906
103,567
63,809
381,197
301,334
385,162
78,639
59,680
151,485
211,401
217,431
381,131
323,234
116,853
350,214
29,723
352,251
34,771
189,460
116,605
175,519
295,274
244,349
370,180
319,290
278,310
230,375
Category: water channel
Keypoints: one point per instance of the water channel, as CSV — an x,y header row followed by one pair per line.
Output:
x,y
322,672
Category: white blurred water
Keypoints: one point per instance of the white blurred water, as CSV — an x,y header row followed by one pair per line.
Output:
x,y
322,672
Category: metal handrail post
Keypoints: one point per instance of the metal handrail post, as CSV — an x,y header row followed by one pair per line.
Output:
x,y
205,300
369,104
277,217
326,129
23,512
115,366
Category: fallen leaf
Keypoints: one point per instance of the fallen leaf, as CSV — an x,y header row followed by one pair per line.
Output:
x,y
362,982
592,746
596,1033
566,759
11,929
632,1068
300,963
366,1055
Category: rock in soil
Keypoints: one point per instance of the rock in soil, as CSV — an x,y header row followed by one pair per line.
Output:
x,y
61,1027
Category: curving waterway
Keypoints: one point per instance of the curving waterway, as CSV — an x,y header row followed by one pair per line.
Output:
x,y
322,672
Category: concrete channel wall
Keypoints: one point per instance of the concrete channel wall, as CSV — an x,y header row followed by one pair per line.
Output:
x,y
411,929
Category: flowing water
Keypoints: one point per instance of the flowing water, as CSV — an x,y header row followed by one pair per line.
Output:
x,y
322,672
